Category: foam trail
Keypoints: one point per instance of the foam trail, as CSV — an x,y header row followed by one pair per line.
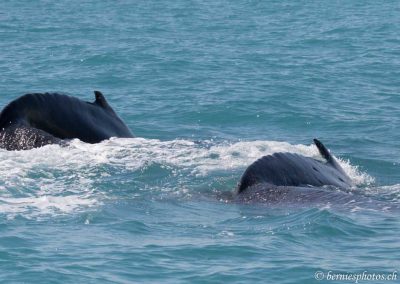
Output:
x,y
59,180
135,153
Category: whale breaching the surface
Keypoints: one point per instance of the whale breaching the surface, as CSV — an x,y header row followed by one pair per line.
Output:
x,y
38,119
276,177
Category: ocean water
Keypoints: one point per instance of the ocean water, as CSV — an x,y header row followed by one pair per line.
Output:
x,y
207,87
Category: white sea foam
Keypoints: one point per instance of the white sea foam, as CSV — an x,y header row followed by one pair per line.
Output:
x,y
43,205
55,179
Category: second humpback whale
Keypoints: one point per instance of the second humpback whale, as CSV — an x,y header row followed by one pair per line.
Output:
x,y
38,119
290,176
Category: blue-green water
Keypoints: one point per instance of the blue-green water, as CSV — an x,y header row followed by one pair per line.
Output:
x,y
207,87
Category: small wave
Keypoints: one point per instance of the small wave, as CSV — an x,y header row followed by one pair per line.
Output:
x,y
42,205
387,193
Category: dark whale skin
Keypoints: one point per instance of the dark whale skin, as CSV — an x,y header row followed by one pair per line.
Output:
x,y
35,120
275,176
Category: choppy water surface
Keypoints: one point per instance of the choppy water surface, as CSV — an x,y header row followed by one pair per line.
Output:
x,y
207,87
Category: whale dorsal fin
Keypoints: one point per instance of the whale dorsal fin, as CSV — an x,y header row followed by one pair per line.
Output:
x,y
102,102
323,151
328,156
100,99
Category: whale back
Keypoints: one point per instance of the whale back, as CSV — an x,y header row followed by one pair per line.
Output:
x,y
64,117
289,169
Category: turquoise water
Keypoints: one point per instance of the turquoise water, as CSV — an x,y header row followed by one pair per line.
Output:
x,y
207,87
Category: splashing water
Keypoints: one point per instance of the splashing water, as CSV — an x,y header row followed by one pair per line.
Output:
x,y
61,180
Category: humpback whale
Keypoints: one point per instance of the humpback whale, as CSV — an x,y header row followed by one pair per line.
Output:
x,y
38,119
291,176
